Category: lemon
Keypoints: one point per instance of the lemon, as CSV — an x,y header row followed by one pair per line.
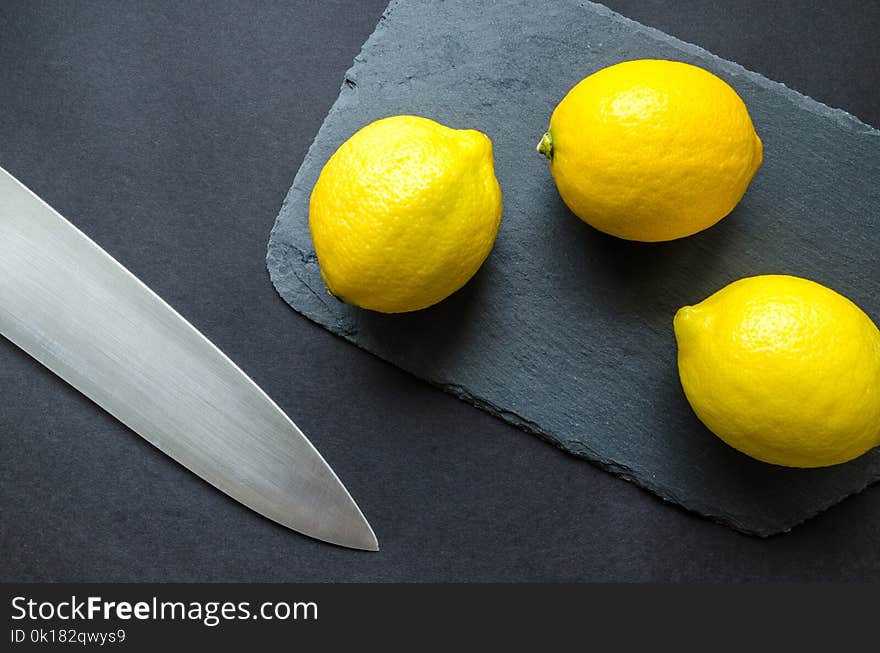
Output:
x,y
652,150
404,213
783,369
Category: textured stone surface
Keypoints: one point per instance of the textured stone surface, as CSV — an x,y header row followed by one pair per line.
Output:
x,y
565,332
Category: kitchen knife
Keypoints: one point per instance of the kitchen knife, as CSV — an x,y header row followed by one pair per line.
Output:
x,y
74,308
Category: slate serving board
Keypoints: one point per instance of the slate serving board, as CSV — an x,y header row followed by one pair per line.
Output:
x,y
565,332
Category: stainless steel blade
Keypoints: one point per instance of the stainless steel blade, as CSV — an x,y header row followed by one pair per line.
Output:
x,y
74,308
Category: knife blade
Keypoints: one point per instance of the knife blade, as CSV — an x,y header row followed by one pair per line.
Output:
x,y
74,308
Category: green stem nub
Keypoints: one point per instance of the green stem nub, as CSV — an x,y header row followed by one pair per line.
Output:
x,y
545,147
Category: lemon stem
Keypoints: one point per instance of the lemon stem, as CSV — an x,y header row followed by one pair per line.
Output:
x,y
545,147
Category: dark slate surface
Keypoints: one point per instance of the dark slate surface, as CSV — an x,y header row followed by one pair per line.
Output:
x,y
565,332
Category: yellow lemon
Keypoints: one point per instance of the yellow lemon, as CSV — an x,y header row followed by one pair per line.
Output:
x,y
404,213
652,150
783,369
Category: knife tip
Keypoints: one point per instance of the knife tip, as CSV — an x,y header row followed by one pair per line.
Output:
x,y
350,528
372,546
365,539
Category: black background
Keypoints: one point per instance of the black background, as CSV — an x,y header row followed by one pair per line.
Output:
x,y
170,133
